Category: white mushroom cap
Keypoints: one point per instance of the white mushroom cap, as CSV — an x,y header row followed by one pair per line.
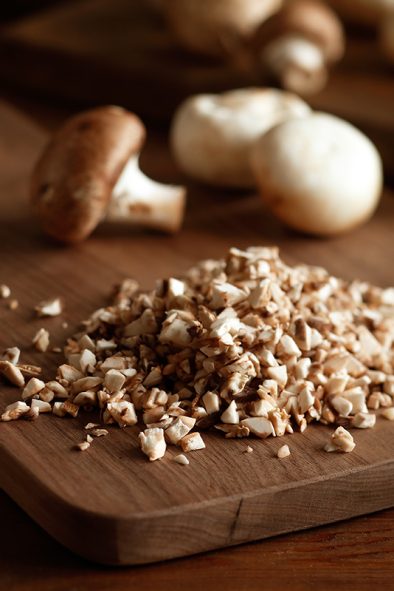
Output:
x,y
209,26
211,135
319,174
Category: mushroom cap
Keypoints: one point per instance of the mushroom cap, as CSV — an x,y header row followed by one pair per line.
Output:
x,y
319,175
212,134
310,19
73,180
205,26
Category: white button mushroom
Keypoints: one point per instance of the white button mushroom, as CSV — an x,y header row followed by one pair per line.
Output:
x,y
319,174
211,135
89,171
209,26
298,43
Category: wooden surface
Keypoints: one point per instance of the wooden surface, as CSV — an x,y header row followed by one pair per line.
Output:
x,y
120,52
356,555
109,504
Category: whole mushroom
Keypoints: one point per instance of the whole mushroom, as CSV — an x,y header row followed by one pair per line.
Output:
x,y
213,27
319,174
89,171
212,134
297,45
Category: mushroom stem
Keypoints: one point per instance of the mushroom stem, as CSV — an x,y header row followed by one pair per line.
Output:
x,y
297,62
138,200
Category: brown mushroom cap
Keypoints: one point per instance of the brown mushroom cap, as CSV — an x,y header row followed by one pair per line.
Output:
x,y
207,26
73,180
310,19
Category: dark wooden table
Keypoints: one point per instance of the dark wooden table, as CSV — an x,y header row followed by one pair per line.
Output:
x,y
353,555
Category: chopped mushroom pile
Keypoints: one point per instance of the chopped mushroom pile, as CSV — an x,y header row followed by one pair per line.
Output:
x,y
248,345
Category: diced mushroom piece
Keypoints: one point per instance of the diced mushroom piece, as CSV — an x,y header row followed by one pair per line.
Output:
x,y
364,420
58,409
69,373
279,374
87,397
13,304
12,354
12,373
230,415
89,426
341,440
179,428
192,442
99,432
46,395
41,340
70,408
153,443
305,400
283,452
388,413
175,331
52,307
89,171
356,397
211,402
57,388
14,411
83,446
225,295
5,291
87,360
33,387
114,380
343,406
288,347
123,413
145,324
40,405
86,383
181,459
259,426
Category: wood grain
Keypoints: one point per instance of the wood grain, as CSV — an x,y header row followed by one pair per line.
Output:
x,y
97,51
109,504
354,555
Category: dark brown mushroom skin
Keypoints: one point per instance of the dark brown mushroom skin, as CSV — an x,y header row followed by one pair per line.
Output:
x,y
72,182
311,19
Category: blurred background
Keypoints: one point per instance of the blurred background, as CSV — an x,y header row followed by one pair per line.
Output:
x,y
135,53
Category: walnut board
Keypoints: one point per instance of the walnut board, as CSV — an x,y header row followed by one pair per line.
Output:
x,y
109,504
120,52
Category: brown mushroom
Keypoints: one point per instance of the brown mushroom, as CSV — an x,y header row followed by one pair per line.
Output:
x,y
297,44
215,27
89,171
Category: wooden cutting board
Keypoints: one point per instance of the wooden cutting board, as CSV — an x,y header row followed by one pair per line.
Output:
x,y
109,504
120,52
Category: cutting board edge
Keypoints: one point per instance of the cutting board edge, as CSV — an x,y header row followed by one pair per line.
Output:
x,y
140,539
